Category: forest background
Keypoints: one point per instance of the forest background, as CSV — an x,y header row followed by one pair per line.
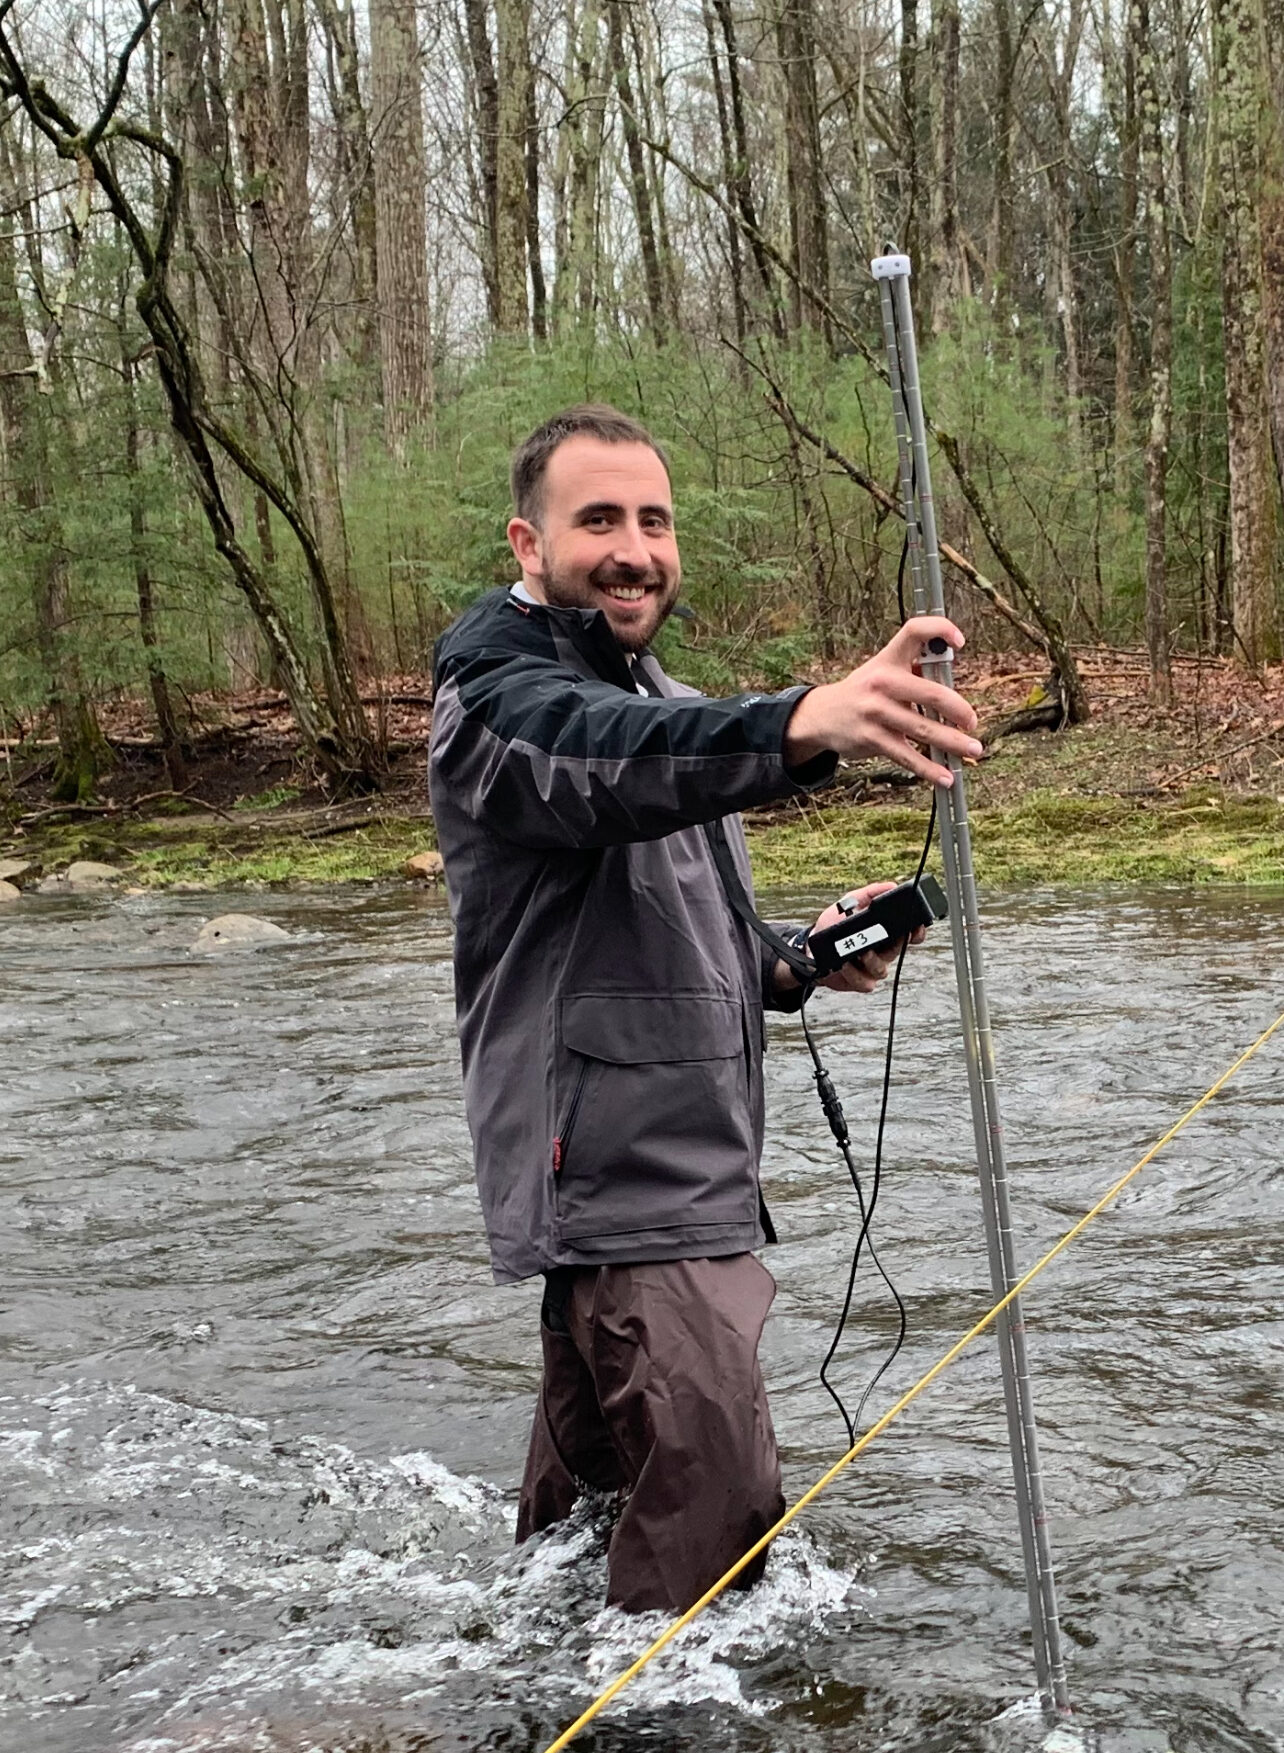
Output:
x,y
283,281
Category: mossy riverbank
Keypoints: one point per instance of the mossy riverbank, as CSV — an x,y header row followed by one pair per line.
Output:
x,y
1041,836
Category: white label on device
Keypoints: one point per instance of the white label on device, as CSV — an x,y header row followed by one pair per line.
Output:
x,y
861,940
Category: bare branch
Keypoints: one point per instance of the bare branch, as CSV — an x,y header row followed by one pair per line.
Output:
x,y
148,10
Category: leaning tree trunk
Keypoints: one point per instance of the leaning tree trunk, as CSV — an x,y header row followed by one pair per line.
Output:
x,y
340,739
1061,657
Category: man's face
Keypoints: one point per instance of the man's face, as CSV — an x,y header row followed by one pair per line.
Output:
x,y
605,539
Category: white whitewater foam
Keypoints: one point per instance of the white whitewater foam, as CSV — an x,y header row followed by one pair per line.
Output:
x,y
360,1580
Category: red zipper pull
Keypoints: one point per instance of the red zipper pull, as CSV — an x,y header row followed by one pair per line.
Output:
x,y
557,1156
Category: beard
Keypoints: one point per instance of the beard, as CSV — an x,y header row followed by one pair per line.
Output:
x,y
634,625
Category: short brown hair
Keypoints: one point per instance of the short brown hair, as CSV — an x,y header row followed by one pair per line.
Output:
x,y
589,420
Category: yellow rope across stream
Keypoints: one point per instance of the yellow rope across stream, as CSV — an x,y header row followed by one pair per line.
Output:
x,y
987,1320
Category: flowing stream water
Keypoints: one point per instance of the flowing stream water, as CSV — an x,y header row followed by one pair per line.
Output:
x,y
262,1412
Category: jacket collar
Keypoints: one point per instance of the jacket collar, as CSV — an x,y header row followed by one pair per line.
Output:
x,y
589,632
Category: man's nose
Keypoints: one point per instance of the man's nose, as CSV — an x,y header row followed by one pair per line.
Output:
x,y
630,546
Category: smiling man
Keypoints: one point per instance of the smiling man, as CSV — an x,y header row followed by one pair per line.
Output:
x,y
610,1000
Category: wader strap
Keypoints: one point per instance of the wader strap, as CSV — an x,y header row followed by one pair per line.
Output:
x,y
800,966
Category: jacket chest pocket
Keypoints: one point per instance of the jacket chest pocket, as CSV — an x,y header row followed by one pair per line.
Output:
x,y
655,1128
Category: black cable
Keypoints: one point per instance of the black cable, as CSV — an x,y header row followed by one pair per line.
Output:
x,y
864,1241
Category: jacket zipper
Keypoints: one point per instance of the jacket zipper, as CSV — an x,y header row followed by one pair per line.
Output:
x,y
563,1138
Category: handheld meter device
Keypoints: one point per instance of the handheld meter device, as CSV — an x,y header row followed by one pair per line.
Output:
x,y
888,918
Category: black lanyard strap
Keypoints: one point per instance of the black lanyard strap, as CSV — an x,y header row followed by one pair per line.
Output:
x,y
800,966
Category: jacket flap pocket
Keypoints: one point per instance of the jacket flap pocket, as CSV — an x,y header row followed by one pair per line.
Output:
x,y
627,1030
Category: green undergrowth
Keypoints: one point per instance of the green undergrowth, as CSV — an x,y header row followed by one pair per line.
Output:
x,y
1045,837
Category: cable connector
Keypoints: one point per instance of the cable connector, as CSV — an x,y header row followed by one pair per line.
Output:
x,y
833,1107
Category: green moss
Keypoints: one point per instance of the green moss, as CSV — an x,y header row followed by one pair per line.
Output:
x,y
268,800
1046,837
1041,836
273,855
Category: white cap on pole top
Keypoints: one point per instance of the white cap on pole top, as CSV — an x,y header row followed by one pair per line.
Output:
x,y
890,267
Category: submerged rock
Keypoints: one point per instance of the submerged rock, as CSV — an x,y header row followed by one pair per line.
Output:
x,y
238,931
85,873
427,867
9,892
19,871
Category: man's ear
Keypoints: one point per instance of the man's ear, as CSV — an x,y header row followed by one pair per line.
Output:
x,y
524,540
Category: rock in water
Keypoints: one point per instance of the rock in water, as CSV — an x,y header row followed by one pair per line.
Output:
x,y
238,931
9,892
19,871
85,874
426,866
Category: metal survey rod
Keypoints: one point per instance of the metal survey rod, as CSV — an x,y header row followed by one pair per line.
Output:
x,y
892,271
975,1077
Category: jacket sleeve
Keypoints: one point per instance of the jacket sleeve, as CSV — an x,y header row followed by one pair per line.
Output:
x,y
552,759
791,1000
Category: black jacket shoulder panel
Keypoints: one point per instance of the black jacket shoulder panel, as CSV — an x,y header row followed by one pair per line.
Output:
x,y
495,622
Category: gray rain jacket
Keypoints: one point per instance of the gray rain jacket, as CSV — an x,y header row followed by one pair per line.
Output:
x,y
609,1000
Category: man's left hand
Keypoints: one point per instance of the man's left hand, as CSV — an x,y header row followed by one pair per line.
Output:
x,y
861,976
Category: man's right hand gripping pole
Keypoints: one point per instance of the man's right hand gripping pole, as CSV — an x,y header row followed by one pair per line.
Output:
x,y
875,709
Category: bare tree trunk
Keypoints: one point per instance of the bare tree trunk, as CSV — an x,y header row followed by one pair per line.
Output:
x,y
949,279
734,259
809,247
1161,350
24,426
166,722
656,123
1237,57
582,131
1273,225
1125,253
1062,285
405,335
355,191
908,180
999,247
1185,189
740,133
639,188
534,242
486,88
511,207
